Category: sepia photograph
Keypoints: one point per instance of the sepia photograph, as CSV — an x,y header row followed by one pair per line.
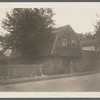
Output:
x,y
50,47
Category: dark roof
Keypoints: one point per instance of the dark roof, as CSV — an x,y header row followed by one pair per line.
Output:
x,y
91,42
59,29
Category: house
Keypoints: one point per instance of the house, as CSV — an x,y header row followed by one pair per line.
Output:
x,y
60,55
90,45
63,51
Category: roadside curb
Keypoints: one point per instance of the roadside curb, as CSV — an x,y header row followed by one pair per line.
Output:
x,y
40,78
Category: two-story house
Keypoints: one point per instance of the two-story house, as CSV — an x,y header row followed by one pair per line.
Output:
x,y
62,52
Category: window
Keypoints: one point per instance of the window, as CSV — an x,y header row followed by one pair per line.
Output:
x,y
73,43
63,42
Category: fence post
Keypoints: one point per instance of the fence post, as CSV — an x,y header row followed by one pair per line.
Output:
x,y
40,66
8,74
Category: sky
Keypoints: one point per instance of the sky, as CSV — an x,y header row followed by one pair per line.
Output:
x,y
80,16
82,20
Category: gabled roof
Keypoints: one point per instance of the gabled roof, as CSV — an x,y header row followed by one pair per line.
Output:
x,y
59,29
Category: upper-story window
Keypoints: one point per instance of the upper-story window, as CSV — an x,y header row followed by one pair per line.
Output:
x,y
63,42
73,43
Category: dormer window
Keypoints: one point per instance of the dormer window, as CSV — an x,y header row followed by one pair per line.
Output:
x,y
63,42
73,43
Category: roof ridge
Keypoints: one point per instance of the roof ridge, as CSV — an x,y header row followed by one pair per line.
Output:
x,y
59,29
62,26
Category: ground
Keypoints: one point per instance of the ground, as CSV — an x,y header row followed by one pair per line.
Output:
x,y
69,84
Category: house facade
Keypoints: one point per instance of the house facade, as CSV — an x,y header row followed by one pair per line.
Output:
x,y
64,52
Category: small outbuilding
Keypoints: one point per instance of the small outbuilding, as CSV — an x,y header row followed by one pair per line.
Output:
x,y
90,45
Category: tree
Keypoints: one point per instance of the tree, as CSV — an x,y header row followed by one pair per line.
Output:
x,y
85,36
88,36
97,30
81,36
1,38
97,27
29,28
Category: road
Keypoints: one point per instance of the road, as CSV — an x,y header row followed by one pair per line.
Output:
x,y
69,84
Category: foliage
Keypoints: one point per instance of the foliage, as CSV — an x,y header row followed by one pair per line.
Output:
x,y
29,29
97,27
1,38
85,36
97,30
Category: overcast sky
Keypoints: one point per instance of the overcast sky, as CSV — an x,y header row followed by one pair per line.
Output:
x,y
80,16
